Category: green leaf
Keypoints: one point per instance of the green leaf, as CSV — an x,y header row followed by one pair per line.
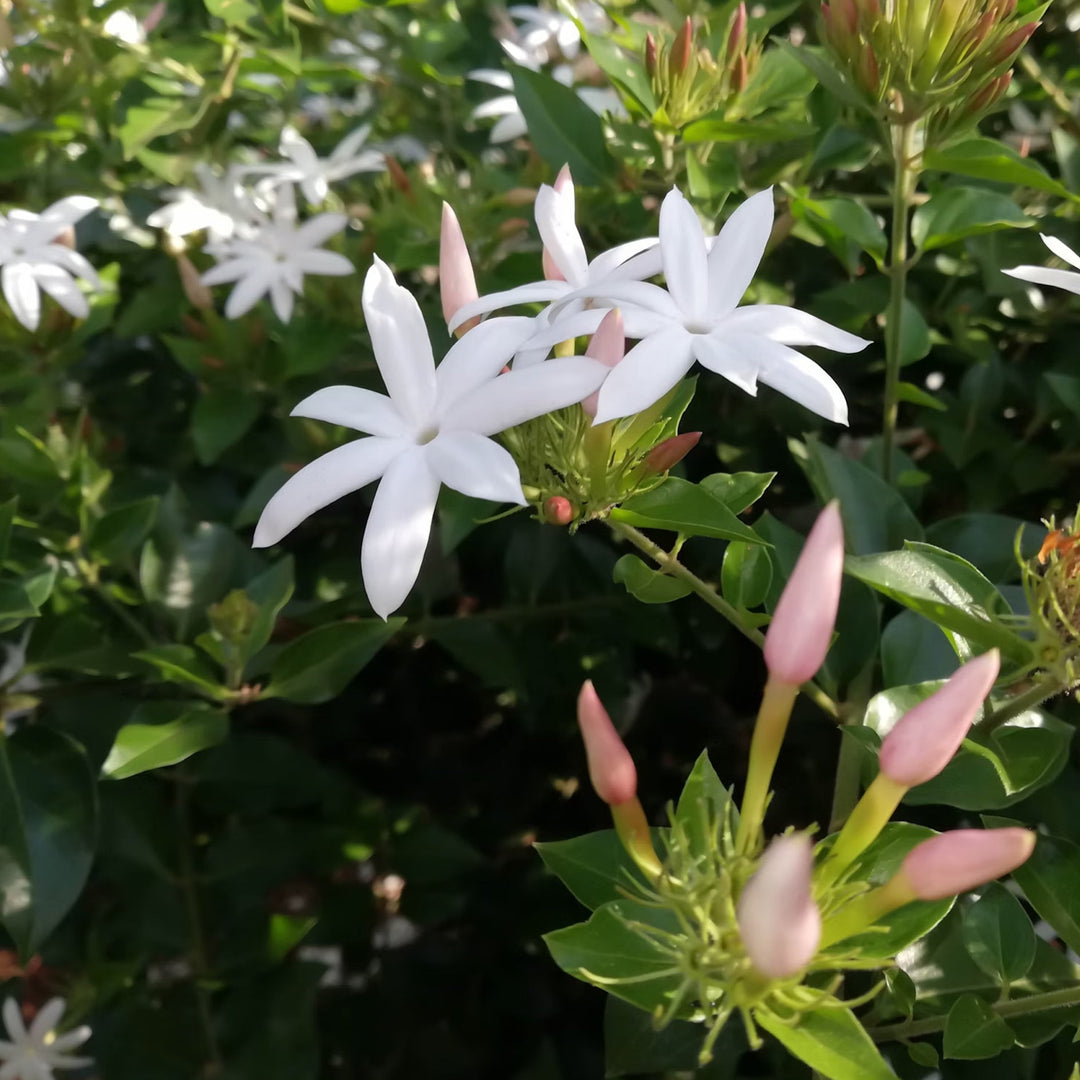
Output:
x,y
914,334
746,574
155,117
684,508
738,491
270,591
974,1031
15,604
221,417
718,130
958,212
8,511
648,585
986,541
563,128
914,650
989,159
846,226
622,69
832,1041
817,61
946,589
1051,882
594,867
916,395
998,934
182,664
164,733
703,806
233,12
54,789
121,531
318,666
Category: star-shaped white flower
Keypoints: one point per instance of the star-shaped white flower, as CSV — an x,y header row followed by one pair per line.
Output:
x,y
434,428
33,1054
568,268
1042,275
221,206
275,258
31,260
315,174
697,318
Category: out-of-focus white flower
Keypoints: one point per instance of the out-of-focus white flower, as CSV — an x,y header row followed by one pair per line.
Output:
x,y
275,258
125,27
33,1054
315,174
547,35
221,206
1042,275
32,260
434,428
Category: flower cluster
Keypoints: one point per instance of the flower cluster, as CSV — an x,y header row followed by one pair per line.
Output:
x,y
33,1053
756,921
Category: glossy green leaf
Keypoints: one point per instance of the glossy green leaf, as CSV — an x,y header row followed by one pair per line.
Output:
x,y
745,574
914,334
164,733
914,650
648,585
182,664
716,130
594,867
684,508
233,12
998,934
738,491
989,159
1051,882
562,127
270,592
987,541
831,1041
704,806
318,666
8,511
221,417
622,69
121,531
957,212
974,1031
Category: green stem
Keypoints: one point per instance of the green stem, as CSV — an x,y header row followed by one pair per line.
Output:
x,y
849,764
930,1025
669,564
1036,694
905,174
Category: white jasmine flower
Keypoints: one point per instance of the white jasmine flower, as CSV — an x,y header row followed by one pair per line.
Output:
x,y
313,173
221,206
1041,275
434,428
697,318
125,27
31,260
275,258
33,1054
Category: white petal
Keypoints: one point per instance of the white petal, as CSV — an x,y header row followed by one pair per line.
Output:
x,y
480,355
248,292
555,220
518,396
1061,250
562,324
69,1040
475,466
637,294
63,290
319,229
731,358
401,344
647,372
738,251
353,407
682,248
324,481
1040,275
68,211
790,326
21,292
352,142
230,270
13,1070
281,298
503,106
13,1021
322,262
397,531
536,292
510,127
48,1016
633,261
494,77
295,147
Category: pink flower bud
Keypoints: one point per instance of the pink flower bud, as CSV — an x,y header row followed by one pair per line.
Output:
x,y
155,15
608,345
682,49
670,452
848,13
650,55
923,740
564,183
737,36
1013,43
611,768
779,922
957,861
740,74
558,510
800,632
196,292
457,284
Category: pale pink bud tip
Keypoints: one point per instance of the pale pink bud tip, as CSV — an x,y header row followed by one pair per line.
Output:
x,y
801,628
608,345
558,510
779,922
957,861
611,768
564,180
923,741
457,284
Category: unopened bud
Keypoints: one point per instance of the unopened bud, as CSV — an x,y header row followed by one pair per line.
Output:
x,y
924,740
608,345
650,56
801,629
398,177
740,75
558,510
682,49
670,452
706,62
982,28
457,283
779,922
1006,10
954,862
868,72
65,237
848,14
737,37
198,294
1013,43
611,768
519,196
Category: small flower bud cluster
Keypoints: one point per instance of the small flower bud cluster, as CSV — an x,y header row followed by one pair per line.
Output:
x,y
688,82
944,60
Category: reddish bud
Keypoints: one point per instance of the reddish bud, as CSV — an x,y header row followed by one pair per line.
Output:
x,y
1013,43
611,768
1005,10
457,283
670,452
954,862
848,14
869,75
198,294
608,345
650,56
155,15
740,74
682,49
982,28
399,178
558,510
737,37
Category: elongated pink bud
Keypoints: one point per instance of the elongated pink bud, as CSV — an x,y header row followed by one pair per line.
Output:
x,y
666,455
457,283
1016,40
957,861
779,922
563,182
650,55
801,629
682,48
737,36
923,740
608,345
611,768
